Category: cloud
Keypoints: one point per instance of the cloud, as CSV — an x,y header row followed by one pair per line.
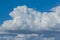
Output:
x,y
25,18
32,37
26,37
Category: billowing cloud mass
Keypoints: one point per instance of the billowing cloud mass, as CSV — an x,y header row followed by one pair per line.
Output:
x,y
25,18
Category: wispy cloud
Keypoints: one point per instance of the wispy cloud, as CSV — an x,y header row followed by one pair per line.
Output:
x,y
32,37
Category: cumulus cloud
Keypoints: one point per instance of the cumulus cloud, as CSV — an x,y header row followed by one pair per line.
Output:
x,y
25,18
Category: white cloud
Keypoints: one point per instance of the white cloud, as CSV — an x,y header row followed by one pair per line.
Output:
x,y
32,37
27,18
27,37
52,38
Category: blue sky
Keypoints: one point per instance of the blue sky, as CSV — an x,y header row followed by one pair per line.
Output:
x,y
6,6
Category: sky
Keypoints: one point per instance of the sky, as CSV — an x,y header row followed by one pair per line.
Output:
x,y
29,18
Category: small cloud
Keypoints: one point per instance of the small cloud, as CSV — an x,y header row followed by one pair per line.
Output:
x,y
26,36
